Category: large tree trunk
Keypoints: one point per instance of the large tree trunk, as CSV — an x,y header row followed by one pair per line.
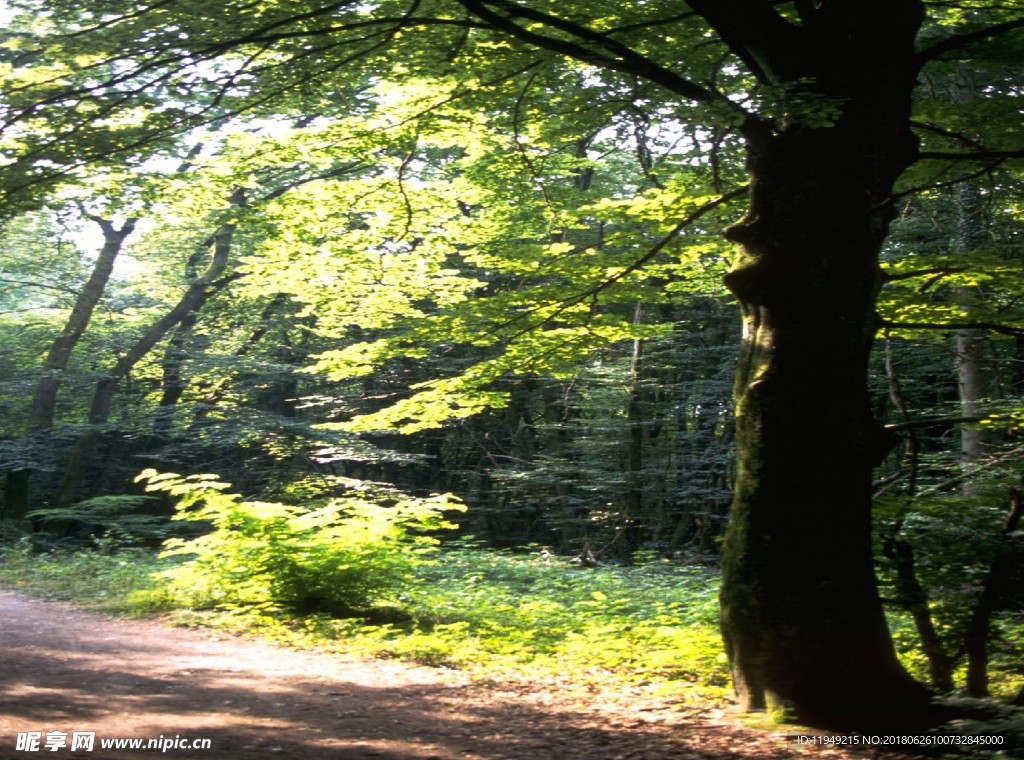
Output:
x,y
801,615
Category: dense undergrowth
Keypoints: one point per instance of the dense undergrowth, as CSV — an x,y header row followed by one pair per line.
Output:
x,y
367,572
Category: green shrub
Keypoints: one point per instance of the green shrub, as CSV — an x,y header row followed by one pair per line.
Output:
x,y
344,558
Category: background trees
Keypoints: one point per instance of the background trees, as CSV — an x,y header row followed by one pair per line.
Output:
x,y
492,227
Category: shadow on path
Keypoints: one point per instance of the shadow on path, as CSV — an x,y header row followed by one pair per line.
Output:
x,y
68,670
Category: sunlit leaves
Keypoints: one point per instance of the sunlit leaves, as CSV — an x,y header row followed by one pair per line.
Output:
x,y
347,555
927,292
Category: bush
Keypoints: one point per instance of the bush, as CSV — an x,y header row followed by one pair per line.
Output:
x,y
344,558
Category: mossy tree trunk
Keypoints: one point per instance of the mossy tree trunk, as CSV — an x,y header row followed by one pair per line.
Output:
x,y
801,615
799,597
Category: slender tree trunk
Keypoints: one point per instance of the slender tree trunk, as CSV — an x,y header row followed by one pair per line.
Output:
x,y
1000,591
913,597
16,494
172,379
44,398
565,516
801,614
106,389
636,444
969,342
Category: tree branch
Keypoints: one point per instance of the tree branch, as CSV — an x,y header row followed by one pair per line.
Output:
x,y
652,252
758,35
922,273
993,326
948,183
992,462
933,422
606,52
960,41
978,155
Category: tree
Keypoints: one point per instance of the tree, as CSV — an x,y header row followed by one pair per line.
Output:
x,y
103,396
820,99
800,611
44,398
43,276
952,281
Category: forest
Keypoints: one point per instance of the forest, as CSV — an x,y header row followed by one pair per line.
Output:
x,y
690,332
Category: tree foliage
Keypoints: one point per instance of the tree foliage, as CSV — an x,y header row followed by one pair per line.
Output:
x,y
474,245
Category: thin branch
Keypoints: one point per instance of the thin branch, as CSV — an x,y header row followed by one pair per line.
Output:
x,y
882,485
993,326
937,130
933,422
987,169
960,41
992,462
339,171
900,403
592,292
660,245
41,285
654,22
978,155
886,277
400,178
531,168
106,24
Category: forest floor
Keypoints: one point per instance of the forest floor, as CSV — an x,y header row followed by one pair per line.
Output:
x,y
64,669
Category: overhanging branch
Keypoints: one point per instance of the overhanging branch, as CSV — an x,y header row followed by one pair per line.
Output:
x,y
978,155
587,45
952,326
932,272
960,41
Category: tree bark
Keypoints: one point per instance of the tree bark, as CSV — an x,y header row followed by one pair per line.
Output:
x,y
801,614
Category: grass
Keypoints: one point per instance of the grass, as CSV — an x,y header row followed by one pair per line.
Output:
x,y
497,615
119,582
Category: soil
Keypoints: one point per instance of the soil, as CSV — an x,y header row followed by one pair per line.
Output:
x,y
64,669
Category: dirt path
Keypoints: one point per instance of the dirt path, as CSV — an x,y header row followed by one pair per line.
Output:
x,y
67,670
